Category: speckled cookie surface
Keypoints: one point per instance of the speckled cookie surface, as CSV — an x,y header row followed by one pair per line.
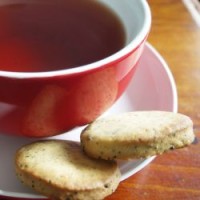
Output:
x,y
60,170
136,134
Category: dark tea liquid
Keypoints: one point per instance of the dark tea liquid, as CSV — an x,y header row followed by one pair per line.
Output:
x,y
56,34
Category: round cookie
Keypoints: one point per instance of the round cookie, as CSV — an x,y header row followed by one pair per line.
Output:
x,y
136,135
60,170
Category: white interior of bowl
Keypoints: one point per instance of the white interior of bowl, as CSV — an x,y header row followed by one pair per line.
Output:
x,y
132,14
136,18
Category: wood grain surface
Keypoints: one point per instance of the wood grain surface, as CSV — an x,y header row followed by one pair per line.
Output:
x,y
174,175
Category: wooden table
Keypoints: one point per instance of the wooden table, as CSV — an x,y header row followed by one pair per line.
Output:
x,y
174,175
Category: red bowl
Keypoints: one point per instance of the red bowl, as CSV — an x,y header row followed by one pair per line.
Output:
x,y
40,104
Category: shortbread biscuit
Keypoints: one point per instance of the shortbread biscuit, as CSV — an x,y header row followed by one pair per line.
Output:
x,y
136,135
60,170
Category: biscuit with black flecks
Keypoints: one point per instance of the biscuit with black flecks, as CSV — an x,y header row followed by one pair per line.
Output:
x,y
136,134
60,170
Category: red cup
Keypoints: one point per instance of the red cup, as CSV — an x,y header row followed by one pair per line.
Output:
x,y
40,104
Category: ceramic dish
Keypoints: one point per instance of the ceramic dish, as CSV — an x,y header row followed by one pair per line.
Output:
x,y
153,88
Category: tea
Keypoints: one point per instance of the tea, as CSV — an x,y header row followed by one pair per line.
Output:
x,y
50,35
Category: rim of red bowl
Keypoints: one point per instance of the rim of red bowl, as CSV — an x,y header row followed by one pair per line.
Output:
x,y
128,49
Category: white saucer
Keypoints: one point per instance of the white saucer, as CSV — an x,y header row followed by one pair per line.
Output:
x,y
152,88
